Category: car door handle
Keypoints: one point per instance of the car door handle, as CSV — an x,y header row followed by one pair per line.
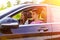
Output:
x,y
43,29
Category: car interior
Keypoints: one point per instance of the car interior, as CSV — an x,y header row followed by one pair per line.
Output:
x,y
27,15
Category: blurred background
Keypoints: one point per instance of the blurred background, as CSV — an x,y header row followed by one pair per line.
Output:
x,y
9,3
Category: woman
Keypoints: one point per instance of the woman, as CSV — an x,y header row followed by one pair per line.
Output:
x,y
25,17
36,11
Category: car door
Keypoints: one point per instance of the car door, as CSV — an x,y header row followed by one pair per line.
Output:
x,y
28,31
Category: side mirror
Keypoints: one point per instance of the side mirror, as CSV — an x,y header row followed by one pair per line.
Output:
x,y
6,24
10,25
5,28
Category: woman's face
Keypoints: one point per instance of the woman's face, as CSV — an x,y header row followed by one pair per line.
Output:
x,y
22,16
34,15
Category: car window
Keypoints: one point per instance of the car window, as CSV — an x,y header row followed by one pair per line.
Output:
x,y
32,15
17,16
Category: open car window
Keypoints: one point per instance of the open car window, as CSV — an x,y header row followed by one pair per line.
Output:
x,y
17,16
32,15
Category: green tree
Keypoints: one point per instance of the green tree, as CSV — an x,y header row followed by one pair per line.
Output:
x,y
8,4
18,2
2,7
